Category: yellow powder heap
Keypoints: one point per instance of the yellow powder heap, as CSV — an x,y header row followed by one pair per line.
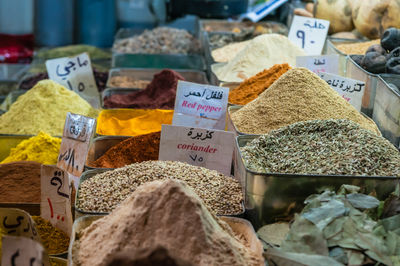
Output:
x,y
43,108
42,148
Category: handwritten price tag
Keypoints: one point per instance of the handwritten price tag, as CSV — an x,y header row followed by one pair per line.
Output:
x,y
55,205
309,34
208,148
76,74
17,222
350,89
78,130
22,251
200,105
319,63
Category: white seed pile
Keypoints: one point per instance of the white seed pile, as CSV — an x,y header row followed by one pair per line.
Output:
x,y
105,191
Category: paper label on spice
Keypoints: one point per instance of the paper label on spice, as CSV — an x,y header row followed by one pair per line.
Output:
x,y
350,89
75,73
18,250
55,204
78,131
17,222
199,105
319,63
209,148
309,34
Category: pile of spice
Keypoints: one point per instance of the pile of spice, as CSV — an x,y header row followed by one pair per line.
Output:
x,y
31,81
72,50
159,94
132,150
356,48
42,148
43,108
20,182
228,52
127,82
132,122
249,89
222,194
328,147
170,215
161,40
298,95
261,53
54,240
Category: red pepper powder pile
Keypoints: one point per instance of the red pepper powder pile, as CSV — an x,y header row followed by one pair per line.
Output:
x,y
159,94
133,150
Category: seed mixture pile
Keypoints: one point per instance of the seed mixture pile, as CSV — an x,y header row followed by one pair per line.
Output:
x,y
104,192
327,147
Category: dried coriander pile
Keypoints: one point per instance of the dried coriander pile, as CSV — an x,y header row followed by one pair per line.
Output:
x,y
162,40
298,95
329,147
105,191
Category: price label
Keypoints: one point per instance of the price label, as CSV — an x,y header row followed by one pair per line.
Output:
x,y
309,34
76,74
55,204
17,222
199,105
350,89
319,63
209,148
78,130
22,251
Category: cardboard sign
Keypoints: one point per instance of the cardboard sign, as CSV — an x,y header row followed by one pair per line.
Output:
x,y
23,251
309,34
350,89
78,130
212,149
75,73
319,63
17,222
55,204
199,105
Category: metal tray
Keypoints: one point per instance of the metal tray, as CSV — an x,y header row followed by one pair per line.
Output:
x,y
218,25
89,173
387,107
271,196
238,225
354,71
99,146
31,208
148,74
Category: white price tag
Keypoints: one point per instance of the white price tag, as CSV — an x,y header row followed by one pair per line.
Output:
x,y
78,130
22,251
209,148
75,73
55,205
17,222
350,89
319,63
309,34
200,105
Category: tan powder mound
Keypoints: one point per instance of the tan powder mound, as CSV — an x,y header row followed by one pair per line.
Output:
x,y
228,52
167,214
298,95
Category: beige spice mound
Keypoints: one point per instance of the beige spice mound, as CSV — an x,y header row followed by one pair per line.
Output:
x,y
228,52
167,214
298,95
356,48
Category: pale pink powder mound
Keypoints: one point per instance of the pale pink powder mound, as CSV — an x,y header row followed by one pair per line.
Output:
x,y
167,214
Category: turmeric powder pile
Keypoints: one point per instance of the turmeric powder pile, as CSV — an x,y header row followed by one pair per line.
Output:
x,y
42,148
249,89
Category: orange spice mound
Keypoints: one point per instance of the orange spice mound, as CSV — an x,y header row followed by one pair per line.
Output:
x,y
249,89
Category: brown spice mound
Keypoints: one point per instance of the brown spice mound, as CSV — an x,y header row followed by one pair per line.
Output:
x,y
167,214
298,95
132,150
20,182
249,89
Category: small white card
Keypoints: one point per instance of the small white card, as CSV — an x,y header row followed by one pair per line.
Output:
x,y
319,63
18,250
75,73
199,105
350,89
209,148
309,34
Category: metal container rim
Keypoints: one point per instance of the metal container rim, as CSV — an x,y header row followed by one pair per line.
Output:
x,y
349,57
382,77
